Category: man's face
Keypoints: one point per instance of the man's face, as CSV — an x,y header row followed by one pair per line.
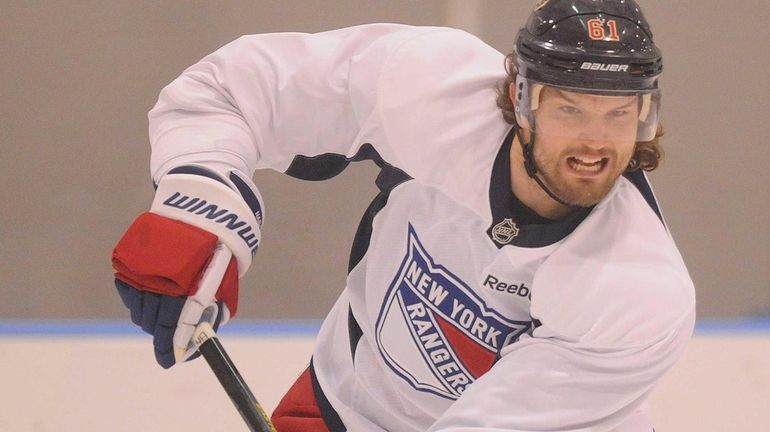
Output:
x,y
583,142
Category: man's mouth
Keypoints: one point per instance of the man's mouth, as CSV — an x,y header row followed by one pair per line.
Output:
x,y
587,164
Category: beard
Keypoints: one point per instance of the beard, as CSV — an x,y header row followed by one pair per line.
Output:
x,y
576,190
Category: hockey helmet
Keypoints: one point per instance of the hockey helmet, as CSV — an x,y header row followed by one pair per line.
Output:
x,y
599,47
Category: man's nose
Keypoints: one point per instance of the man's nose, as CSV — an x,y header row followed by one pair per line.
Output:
x,y
594,131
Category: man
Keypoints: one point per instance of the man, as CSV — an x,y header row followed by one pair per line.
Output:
x,y
514,272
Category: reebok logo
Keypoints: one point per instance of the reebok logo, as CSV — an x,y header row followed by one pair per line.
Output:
x,y
494,283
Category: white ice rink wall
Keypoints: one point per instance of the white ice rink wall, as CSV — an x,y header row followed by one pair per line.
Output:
x,y
87,376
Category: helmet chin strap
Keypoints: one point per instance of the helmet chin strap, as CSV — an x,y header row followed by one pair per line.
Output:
x,y
530,166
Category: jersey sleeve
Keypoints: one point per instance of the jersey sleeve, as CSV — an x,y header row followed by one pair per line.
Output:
x,y
261,100
591,363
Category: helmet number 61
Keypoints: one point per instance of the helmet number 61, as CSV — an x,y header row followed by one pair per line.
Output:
x,y
597,31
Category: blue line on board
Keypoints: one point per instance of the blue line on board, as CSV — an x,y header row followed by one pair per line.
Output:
x,y
716,326
22,328
300,328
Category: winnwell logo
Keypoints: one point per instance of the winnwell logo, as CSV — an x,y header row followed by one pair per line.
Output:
x,y
213,212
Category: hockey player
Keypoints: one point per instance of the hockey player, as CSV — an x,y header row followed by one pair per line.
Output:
x,y
514,272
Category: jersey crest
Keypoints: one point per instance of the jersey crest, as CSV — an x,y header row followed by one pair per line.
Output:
x,y
434,331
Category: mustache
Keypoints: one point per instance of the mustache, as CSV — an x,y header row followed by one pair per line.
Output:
x,y
605,152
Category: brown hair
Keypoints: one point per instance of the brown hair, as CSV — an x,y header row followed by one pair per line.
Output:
x,y
647,154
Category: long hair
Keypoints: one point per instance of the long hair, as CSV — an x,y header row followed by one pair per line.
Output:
x,y
647,154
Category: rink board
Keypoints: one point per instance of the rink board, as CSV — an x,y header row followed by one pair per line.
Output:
x,y
98,376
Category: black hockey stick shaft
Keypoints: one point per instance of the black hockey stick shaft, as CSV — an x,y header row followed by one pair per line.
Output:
x,y
232,381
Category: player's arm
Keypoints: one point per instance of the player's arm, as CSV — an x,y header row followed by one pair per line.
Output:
x,y
262,100
590,365
257,102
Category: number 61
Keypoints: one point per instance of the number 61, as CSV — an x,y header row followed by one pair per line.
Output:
x,y
596,30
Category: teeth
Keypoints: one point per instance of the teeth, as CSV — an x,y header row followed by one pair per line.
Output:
x,y
588,161
585,165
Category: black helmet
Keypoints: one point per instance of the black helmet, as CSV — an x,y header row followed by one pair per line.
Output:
x,y
592,46
589,44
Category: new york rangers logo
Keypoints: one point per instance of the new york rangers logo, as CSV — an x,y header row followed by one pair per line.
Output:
x,y
455,337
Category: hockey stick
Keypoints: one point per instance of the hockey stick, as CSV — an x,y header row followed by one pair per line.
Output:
x,y
212,350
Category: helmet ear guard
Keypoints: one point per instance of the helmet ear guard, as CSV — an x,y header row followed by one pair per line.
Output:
x,y
644,107
520,95
649,113
526,100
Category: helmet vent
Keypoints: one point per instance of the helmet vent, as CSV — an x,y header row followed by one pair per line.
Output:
x,y
647,69
536,55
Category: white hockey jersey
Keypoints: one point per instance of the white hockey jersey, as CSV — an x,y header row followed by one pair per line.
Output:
x,y
456,316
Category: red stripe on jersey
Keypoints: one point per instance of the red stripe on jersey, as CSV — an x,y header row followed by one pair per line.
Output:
x,y
476,359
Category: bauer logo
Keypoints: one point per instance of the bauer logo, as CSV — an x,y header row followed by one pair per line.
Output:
x,y
607,67
434,331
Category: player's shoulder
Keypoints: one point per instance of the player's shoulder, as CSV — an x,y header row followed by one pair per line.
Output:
x,y
615,302
414,101
629,215
406,36
619,279
417,63
442,46
629,233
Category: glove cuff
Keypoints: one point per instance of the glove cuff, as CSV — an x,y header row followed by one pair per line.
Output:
x,y
228,206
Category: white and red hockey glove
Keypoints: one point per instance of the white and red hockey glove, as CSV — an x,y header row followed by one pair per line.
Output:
x,y
202,231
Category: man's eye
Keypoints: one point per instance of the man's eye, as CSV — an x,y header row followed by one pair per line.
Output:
x,y
618,113
569,109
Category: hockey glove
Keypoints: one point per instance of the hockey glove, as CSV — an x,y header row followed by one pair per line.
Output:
x,y
179,263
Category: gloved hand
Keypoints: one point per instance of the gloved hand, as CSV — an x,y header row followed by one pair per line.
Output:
x,y
179,263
